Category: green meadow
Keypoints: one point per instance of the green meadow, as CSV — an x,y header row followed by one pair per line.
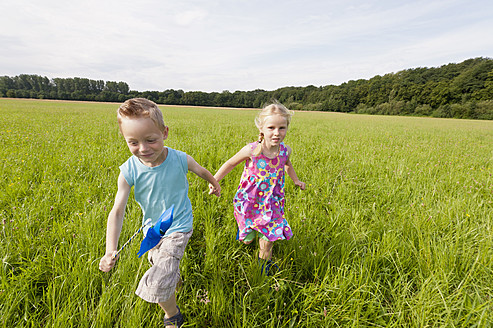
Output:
x,y
393,230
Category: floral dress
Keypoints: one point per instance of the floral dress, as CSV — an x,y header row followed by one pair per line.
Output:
x,y
259,200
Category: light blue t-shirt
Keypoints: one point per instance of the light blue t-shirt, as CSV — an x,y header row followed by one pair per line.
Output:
x,y
157,188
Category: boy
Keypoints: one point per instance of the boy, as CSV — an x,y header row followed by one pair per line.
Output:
x,y
158,174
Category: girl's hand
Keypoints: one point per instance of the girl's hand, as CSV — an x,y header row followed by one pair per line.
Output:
x,y
300,184
108,261
214,190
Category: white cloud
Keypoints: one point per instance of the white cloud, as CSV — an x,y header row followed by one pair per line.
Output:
x,y
220,45
190,17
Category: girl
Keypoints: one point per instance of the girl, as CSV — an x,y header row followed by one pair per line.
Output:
x,y
259,200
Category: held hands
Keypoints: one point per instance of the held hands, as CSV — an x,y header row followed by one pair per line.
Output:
x,y
108,261
215,190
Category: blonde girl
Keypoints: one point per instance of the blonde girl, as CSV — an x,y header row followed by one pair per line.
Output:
x,y
259,200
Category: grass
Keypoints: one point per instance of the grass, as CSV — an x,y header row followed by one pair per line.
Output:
x,y
394,229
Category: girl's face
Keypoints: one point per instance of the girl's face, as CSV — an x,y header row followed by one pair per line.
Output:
x,y
144,140
274,129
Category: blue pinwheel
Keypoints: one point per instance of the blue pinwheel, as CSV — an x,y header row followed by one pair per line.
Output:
x,y
157,231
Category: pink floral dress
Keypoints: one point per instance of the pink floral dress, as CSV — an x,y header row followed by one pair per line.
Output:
x,y
259,200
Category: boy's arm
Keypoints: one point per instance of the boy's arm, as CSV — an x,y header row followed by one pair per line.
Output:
x,y
202,172
114,225
288,167
231,163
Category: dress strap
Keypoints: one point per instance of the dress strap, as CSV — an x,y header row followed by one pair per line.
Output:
x,y
283,150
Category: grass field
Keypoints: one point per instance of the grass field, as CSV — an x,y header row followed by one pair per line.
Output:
x,y
394,229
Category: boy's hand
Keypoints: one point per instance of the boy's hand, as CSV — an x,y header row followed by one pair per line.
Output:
x,y
300,184
108,261
214,190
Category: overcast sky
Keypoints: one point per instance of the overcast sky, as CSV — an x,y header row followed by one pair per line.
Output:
x,y
217,45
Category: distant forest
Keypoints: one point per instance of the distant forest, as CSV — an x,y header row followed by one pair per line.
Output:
x,y
463,90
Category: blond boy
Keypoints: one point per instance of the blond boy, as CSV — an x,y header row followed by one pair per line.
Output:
x,y
158,175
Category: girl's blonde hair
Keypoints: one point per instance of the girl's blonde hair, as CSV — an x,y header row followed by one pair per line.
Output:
x,y
275,108
141,107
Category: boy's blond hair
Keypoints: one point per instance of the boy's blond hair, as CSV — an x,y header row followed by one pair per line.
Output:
x,y
141,107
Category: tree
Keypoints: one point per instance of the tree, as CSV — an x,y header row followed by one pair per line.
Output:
x,y
452,90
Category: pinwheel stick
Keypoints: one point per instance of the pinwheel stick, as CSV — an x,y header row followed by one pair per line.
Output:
x,y
133,236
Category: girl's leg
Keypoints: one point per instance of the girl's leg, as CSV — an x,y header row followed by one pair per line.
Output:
x,y
264,257
265,251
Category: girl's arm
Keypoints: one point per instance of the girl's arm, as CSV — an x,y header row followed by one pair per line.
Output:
x,y
114,225
288,167
202,172
231,163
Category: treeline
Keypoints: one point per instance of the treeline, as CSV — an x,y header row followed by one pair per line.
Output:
x,y
34,86
463,90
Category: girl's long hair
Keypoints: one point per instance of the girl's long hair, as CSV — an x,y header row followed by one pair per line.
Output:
x,y
275,108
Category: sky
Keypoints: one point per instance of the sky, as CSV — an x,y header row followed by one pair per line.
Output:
x,y
218,45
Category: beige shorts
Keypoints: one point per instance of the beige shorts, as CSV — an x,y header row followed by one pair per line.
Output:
x,y
159,282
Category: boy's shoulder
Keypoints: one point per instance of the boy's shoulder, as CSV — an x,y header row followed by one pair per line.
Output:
x,y
178,152
177,158
175,154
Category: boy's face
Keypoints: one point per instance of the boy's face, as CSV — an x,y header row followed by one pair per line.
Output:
x,y
144,140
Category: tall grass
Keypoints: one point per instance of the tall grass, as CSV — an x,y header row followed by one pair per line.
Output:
x,y
394,229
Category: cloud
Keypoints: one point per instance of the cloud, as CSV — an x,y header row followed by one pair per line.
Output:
x,y
189,17
220,45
